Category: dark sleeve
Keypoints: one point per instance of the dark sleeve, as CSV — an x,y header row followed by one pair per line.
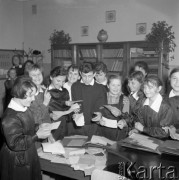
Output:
x,y
14,135
165,119
74,92
102,98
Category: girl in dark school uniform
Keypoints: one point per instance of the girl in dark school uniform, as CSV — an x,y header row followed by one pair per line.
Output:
x,y
156,114
59,103
174,95
119,105
137,96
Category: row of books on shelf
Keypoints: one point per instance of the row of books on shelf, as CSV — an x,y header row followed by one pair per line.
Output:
x,y
88,53
112,52
62,53
117,65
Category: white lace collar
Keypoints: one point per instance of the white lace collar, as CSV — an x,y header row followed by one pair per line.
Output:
x,y
15,106
156,104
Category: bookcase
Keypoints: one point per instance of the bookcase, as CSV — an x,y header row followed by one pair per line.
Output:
x,y
118,56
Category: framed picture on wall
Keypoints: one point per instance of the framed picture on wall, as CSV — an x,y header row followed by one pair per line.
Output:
x,y
110,16
141,28
84,30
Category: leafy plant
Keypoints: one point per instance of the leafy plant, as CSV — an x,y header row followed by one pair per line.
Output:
x,y
59,37
162,36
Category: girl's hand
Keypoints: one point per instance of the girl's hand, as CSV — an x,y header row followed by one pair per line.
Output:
x,y
139,126
75,107
115,111
51,139
102,122
69,103
47,98
98,117
121,124
43,132
133,131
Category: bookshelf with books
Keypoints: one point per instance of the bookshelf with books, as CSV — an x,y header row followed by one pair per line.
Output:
x,y
62,55
118,56
112,56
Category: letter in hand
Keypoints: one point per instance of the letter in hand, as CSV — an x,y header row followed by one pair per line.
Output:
x,y
47,98
121,124
44,131
97,117
139,126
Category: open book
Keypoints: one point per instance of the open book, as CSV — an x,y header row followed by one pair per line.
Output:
x,y
151,144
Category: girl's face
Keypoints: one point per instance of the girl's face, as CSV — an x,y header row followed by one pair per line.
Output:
x,y
100,77
30,96
36,76
150,90
115,86
58,82
16,61
12,73
134,85
73,75
174,81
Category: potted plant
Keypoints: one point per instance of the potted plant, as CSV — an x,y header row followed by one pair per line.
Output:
x,y
162,37
59,38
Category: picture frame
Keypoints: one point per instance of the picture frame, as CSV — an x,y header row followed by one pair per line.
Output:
x,y
84,30
141,28
110,16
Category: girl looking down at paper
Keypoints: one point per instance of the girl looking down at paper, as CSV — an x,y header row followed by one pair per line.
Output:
x,y
156,114
136,97
18,156
115,112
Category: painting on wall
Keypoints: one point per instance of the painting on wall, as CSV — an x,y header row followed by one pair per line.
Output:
x,y
110,16
141,28
84,30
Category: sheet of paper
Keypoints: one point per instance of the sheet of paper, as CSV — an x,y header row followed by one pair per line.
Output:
x,y
54,148
109,122
55,125
79,120
73,159
98,140
60,160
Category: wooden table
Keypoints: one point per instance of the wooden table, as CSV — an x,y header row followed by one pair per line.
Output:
x,y
143,161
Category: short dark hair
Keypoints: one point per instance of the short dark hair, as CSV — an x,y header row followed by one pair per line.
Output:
x,y
113,76
21,85
101,67
138,75
156,81
73,67
142,65
174,71
87,67
35,67
58,71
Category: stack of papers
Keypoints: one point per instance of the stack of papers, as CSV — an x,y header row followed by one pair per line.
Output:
x,y
54,148
101,140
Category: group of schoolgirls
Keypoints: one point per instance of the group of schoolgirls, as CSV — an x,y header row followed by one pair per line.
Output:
x,y
102,101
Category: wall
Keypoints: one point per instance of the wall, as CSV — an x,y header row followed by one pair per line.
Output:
x,y
11,24
70,15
